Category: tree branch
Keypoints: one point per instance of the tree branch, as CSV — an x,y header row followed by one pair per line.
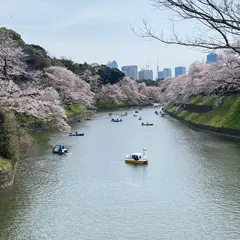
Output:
x,y
221,20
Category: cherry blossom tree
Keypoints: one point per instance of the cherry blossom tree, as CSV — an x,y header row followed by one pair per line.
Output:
x,y
130,88
110,92
153,93
71,88
42,104
11,55
92,79
211,80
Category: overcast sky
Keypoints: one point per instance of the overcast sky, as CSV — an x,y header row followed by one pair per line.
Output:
x,y
97,31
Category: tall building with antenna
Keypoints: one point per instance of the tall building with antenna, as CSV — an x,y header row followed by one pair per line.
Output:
x,y
145,73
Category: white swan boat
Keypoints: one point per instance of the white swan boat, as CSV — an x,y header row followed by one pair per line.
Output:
x,y
137,158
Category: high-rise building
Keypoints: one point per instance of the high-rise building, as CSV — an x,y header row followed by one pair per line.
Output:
x,y
130,71
211,57
145,74
167,72
160,75
180,71
112,64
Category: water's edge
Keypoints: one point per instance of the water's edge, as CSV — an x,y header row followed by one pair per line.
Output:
x,y
234,134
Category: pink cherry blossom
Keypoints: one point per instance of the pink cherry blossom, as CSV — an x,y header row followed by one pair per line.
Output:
x,y
42,104
71,88
110,92
203,79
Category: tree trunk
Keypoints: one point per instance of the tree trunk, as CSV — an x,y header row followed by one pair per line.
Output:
x,y
5,67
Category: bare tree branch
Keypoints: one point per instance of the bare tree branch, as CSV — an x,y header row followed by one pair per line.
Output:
x,y
220,19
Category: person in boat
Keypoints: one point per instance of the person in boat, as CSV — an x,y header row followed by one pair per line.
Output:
x,y
63,147
135,157
76,132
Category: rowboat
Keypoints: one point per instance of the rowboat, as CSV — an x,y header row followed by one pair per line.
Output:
x,y
147,124
76,134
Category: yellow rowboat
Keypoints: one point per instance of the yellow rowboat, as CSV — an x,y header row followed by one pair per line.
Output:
x,y
147,124
137,158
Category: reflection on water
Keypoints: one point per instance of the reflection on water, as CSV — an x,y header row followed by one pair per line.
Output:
x,y
189,189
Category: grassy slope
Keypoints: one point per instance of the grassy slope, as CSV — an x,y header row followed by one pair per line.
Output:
x,y
5,165
110,104
227,115
74,109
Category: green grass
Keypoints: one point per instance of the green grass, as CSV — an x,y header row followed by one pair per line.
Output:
x,y
227,115
74,109
203,101
110,104
171,109
5,164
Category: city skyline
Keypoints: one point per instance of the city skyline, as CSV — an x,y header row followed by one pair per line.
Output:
x,y
164,72
93,32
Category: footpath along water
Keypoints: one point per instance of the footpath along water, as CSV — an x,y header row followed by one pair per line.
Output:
x,y
189,190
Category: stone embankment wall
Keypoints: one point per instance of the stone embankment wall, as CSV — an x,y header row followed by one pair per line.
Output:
x,y
227,132
197,108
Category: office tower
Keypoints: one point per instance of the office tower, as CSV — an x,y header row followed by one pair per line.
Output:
x,y
130,71
180,71
167,72
212,57
112,64
160,75
145,74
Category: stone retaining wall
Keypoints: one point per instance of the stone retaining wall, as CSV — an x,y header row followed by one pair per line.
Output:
x,y
232,133
197,108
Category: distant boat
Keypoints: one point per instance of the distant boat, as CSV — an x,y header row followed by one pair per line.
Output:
x,y
116,120
156,105
147,124
76,134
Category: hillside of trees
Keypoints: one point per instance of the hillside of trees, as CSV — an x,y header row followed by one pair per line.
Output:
x,y
39,86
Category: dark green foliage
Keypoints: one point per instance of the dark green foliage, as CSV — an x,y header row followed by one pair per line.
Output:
x,y
110,75
76,68
9,136
148,82
107,75
15,36
37,57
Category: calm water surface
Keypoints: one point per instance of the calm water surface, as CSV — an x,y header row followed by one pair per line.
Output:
x,y
189,190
